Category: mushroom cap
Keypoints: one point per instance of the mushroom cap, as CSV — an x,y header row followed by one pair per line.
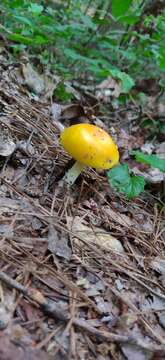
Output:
x,y
90,145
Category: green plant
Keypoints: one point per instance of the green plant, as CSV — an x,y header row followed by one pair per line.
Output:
x,y
152,160
82,38
121,179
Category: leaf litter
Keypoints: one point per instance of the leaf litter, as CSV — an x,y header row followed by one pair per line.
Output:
x,y
81,269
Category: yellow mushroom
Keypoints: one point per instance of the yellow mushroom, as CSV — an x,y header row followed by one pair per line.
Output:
x,y
90,146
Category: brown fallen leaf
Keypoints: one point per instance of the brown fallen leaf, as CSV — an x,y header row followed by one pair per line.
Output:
x,y
7,144
50,85
40,84
148,148
8,205
58,243
121,219
158,264
132,351
72,111
66,113
108,87
153,176
6,308
94,235
161,317
6,230
19,334
55,111
10,351
33,80
160,150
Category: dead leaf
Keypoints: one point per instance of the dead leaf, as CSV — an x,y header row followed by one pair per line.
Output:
x,y
8,205
160,150
10,351
148,148
105,307
104,349
58,243
6,230
50,84
153,176
19,334
128,141
91,289
136,353
144,222
36,223
26,147
39,84
121,219
71,90
33,80
108,87
6,308
152,302
119,284
158,264
7,144
161,317
94,235
95,289
72,111
56,110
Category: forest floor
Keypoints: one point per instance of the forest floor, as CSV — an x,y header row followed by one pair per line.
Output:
x,y
82,269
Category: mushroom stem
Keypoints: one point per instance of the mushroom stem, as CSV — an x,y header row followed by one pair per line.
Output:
x,y
59,126
73,173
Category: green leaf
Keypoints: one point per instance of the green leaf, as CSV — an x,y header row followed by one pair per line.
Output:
x,y
126,81
23,20
162,128
162,83
119,7
87,20
135,187
36,40
162,57
17,3
61,93
36,9
40,40
152,160
119,175
20,39
120,179
129,19
72,54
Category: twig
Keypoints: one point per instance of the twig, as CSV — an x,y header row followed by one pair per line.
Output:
x,y
48,306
